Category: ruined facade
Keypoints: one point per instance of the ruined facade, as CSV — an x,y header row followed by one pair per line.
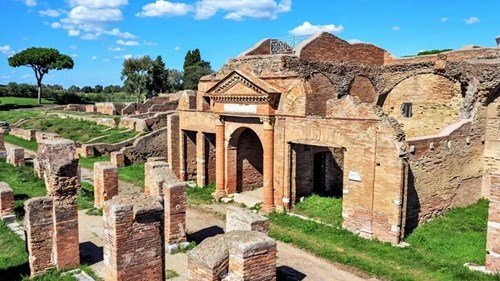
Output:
x,y
399,140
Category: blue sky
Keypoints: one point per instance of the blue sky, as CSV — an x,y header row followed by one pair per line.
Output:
x,y
99,34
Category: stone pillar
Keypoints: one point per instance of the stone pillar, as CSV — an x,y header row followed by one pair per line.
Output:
x,y
15,156
268,146
219,158
173,141
133,239
200,159
39,227
62,181
493,233
117,158
175,217
105,182
6,200
87,150
244,219
3,152
155,171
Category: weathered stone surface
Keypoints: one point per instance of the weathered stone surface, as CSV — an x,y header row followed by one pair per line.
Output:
x,y
6,199
244,219
133,238
493,232
105,182
238,255
117,158
26,134
175,213
15,156
3,152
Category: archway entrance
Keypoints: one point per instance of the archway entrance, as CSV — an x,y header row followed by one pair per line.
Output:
x,y
245,161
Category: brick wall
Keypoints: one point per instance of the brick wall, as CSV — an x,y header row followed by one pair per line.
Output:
x,y
26,134
249,162
6,199
435,102
491,162
15,156
157,175
362,88
105,182
3,153
321,91
175,213
133,239
493,234
189,155
117,158
261,48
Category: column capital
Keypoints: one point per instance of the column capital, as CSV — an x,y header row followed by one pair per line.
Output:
x,y
268,123
219,121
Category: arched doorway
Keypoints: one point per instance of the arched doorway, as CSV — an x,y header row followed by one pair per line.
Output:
x,y
245,161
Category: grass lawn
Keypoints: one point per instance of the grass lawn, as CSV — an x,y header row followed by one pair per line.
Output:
x,y
437,249
31,145
15,115
324,209
198,196
79,131
8,103
88,163
133,174
13,257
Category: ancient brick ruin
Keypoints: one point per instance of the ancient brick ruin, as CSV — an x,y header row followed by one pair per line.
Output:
x,y
493,241
237,255
244,219
15,156
51,222
6,200
3,152
105,183
117,158
133,239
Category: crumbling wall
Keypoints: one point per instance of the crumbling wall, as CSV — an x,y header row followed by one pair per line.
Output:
x,y
237,255
25,134
6,200
244,219
150,145
3,152
133,239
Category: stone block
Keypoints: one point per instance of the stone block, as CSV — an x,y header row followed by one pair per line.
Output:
x,y
244,219
15,156
105,182
6,199
117,158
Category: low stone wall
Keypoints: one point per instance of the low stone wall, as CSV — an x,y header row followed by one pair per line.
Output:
x,y
145,122
98,149
110,108
243,255
150,145
15,156
25,134
40,136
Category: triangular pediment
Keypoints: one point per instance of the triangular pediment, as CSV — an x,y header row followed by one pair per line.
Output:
x,y
241,84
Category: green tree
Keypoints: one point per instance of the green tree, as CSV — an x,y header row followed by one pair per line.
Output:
x,y
194,69
158,77
175,80
98,89
41,60
135,74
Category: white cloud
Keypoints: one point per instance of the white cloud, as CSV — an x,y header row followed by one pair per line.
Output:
x,y
73,32
127,56
162,8
308,29
98,3
74,55
6,50
90,36
354,41
116,32
50,13
26,76
105,60
444,19
82,14
396,28
73,47
6,77
177,48
116,49
471,20
94,57
56,25
147,43
30,3
127,43
239,9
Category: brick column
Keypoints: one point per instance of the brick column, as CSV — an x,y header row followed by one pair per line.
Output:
x,y
219,158
117,158
105,182
155,172
15,156
175,216
3,153
6,200
268,145
200,159
493,234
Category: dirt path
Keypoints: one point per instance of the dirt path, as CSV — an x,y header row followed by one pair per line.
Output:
x,y
203,222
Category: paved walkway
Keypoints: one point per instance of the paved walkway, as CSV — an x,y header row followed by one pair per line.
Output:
x,y
203,222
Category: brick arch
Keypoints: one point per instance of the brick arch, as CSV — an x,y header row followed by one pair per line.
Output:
x,y
363,88
322,89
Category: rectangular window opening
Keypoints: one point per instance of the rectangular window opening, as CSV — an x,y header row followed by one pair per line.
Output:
x,y
406,109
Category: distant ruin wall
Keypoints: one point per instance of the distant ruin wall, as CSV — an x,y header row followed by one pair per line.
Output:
x,y
150,145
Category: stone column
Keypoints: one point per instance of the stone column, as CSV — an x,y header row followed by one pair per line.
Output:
x,y
493,232
200,159
268,145
219,158
105,182
6,200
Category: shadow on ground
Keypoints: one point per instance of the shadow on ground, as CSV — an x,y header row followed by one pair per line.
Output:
x,y
286,273
15,273
90,253
205,233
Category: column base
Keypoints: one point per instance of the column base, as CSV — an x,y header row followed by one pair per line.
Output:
x,y
266,209
218,195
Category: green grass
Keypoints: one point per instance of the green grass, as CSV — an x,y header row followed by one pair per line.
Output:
x,y
437,249
15,115
24,183
85,199
171,274
324,209
31,145
199,196
433,52
88,163
77,130
8,103
13,257
133,174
